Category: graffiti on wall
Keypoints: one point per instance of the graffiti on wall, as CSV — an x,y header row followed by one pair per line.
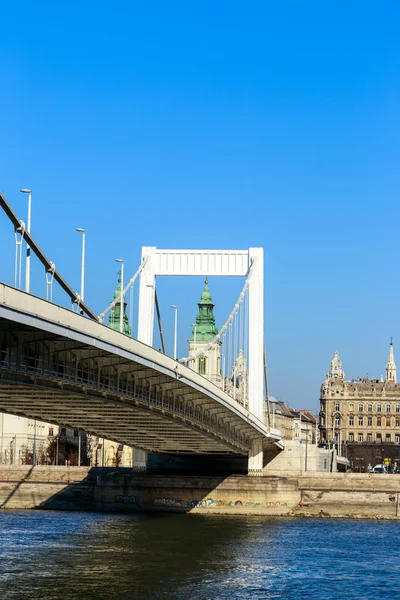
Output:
x,y
128,499
211,503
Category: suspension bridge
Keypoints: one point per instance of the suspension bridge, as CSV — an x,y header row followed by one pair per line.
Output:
x,y
65,366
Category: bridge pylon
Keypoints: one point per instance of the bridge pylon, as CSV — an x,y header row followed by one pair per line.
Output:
x,y
220,263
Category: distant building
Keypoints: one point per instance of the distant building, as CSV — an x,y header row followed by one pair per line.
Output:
x,y
361,417
20,437
293,424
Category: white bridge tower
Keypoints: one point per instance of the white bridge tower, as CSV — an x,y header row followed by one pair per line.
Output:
x,y
221,263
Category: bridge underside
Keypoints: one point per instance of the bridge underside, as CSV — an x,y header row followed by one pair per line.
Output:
x,y
57,379
129,423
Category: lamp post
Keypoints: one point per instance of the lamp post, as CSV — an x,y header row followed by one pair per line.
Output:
x,y
83,232
121,310
175,328
194,325
28,249
34,444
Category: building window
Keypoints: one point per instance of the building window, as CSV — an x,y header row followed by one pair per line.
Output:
x,y
351,420
202,365
369,421
322,420
388,437
397,422
397,438
360,408
369,437
76,433
351,405
379,408
378,437
360,421
63,431
360,437
337,421
351,437
337,406
379,422
369,407
51,431
397,407
387,407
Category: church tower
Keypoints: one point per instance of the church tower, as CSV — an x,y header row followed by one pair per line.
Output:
x,y
391,376
204,331
114,321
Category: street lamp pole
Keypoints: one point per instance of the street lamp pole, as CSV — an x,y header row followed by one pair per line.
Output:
x,y
83,232
28,248
34,444
194,325
121,310
175,328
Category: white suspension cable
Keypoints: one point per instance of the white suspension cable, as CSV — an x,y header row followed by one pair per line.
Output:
x,y
229,350
235,354
217,338
123,292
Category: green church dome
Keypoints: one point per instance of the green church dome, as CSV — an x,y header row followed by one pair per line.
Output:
x,y
114,320
206,329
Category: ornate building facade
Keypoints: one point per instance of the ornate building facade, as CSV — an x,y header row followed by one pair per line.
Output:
x,y
361,412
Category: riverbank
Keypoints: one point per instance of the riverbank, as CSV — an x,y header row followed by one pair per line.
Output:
x,y
339,495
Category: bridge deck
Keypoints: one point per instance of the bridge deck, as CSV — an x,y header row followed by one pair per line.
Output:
x,y
60,367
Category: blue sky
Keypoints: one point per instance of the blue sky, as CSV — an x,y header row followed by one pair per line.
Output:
x,y
216,125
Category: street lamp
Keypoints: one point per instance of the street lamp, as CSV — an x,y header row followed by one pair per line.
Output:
x,y
194,325
175,328
83,232
28,249
121,310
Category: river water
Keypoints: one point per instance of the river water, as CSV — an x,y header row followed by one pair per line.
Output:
x,y
94,556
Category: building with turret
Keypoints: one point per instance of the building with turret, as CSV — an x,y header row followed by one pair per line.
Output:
x,y
203,332
361,416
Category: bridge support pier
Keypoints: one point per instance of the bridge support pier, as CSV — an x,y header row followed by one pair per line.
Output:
x,y
256,457
139,460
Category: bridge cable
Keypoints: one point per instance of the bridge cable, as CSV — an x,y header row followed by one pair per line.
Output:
x,y
123,292
266,388
159,322
48,265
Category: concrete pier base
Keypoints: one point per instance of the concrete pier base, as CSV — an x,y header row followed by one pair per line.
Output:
x,y
139,460
256,458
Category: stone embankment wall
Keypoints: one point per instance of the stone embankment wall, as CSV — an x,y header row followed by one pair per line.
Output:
x,y
304,494
223,495
73,488
62,488
352,495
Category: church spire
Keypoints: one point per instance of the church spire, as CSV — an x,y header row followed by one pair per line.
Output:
x,y
113,320
391,376
206,329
